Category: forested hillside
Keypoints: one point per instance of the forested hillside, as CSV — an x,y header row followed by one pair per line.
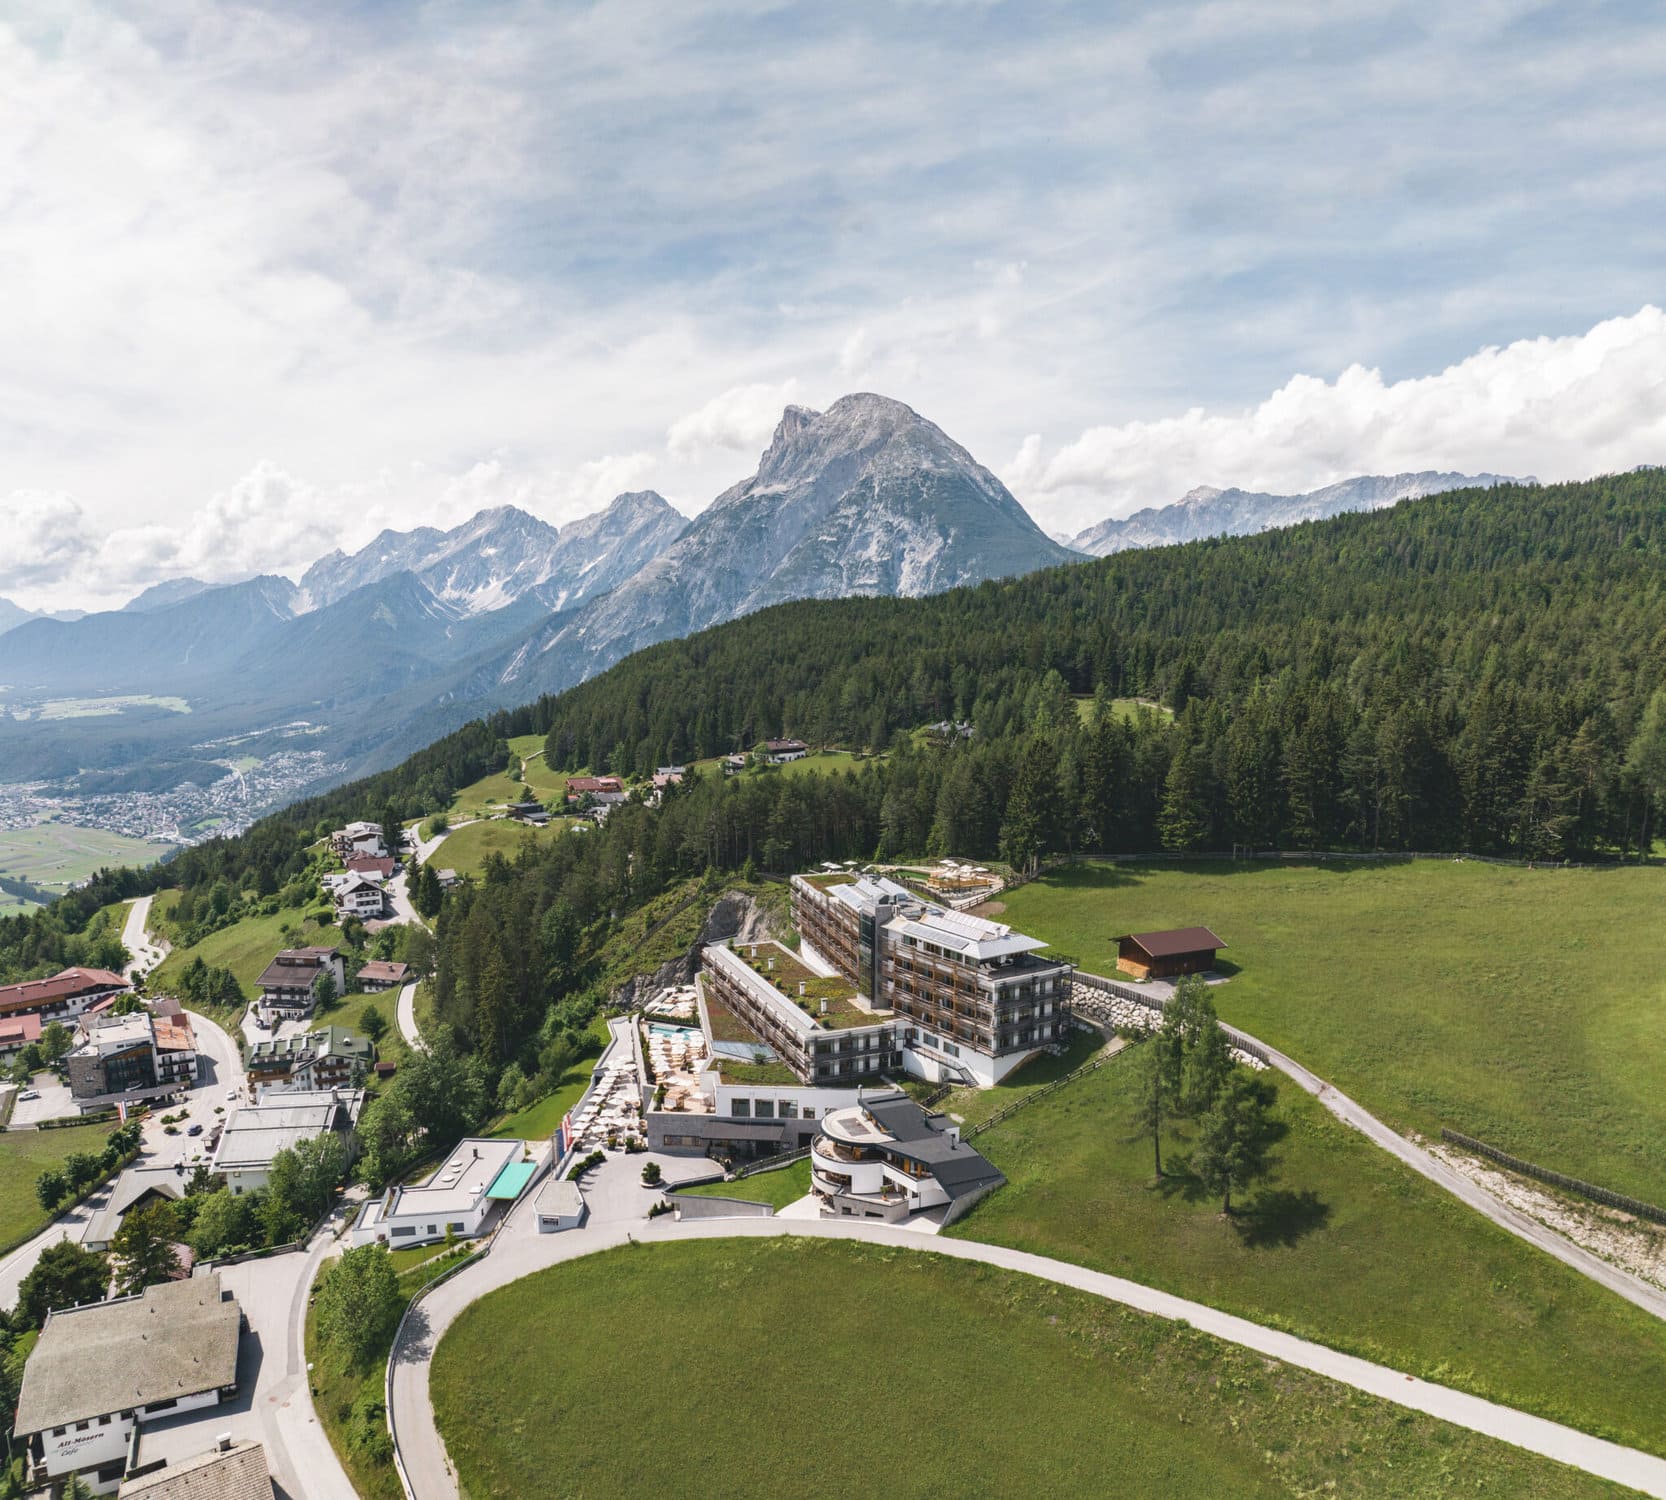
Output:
x,y
1482,670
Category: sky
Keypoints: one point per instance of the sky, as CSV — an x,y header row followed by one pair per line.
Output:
x,y
273,278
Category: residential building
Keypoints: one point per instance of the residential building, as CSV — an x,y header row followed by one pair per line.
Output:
x,y
884,1157
780,752
448,879
374,867
1165,955
379,975
332,1057
122,1059
100,1370
971,999
136,1187
231,1471
606,790
17,1032
733,765
359,896
63,997
359,838
457,1199
279,1119
286,984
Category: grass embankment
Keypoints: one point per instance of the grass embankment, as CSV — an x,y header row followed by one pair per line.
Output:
x,y
540,1120
779,1187
246,947
24,1155
1003,1385
1344,1245
970,1106
466,850
1526,1007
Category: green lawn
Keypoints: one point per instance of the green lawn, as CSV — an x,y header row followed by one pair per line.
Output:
x,y
969,1106
391,1048
465,850
988,1383
779,1187
58,855
24,1155
541,1119
1526,1007
1123,708
1344,1245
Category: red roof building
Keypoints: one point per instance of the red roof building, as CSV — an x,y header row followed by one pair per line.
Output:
x,y
365,864
17,1032
66,993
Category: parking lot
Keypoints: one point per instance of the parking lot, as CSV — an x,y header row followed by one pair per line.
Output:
x,y
54,1102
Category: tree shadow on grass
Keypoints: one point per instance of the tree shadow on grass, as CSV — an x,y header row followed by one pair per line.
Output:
x,y
1278,1216
1179,1182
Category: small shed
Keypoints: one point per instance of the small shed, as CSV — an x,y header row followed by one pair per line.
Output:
x,y
560,1205
1163,955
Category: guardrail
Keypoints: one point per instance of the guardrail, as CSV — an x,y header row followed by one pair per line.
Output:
x,y
770,1163
1589,1190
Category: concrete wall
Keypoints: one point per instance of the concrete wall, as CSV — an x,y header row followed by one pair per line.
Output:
x,y
694,1207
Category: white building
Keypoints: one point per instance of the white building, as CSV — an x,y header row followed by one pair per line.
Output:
x,y
100,1370
278,1120
885,1157
359,838
559,1205
360,897
456,1199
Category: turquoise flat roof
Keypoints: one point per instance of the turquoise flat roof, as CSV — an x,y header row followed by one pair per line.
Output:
x,y
510,1182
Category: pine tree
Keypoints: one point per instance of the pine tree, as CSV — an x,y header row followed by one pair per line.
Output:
x,y
1235,1139
1183,822
1157,1087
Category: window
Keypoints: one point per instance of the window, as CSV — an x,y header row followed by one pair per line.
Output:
x,y
809,1111
786,1109
82,1426
404,1231
433,1229
458,1228
103,1421
741,1109
764,1109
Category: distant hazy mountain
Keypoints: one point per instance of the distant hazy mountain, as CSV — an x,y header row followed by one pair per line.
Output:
x,y
149,651
13,615
1206,512
171,591
867,497
502,555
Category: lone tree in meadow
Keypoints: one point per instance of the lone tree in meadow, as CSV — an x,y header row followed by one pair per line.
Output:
x,y
1235,1139
1157,1086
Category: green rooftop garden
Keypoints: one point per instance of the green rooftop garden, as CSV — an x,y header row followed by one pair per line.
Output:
x,y
830,878
786,971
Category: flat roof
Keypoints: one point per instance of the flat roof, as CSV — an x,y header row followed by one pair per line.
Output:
x,y
255,1133
176,1339
459,1183
511,1181
558,1195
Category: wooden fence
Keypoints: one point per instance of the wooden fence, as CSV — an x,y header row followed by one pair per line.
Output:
x,y
1589,1190
1010,1110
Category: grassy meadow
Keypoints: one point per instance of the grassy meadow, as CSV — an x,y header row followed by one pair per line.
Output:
x,y
58,855
1343,1245
1525,1007
246,947
1003,1385
24,1155
465,851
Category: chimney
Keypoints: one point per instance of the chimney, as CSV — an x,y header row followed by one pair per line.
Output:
x,y
824,1007
801,988
222,1444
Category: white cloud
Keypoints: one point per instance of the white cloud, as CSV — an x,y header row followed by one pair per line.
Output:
x,y
1556,408
740,419
46,536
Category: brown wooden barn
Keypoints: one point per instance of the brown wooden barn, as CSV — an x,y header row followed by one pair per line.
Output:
x,y
1162,955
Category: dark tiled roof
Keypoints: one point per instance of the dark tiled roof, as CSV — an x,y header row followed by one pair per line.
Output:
x,y
1175,941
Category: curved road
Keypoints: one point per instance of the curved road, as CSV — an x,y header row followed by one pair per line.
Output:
x,y
518,1254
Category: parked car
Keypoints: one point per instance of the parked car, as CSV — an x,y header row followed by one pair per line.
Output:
x,y
194,1130
231,1093
29,1094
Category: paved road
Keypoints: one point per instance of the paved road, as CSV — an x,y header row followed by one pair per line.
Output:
x,y
406,1011
144,951
1636,1291
518,1254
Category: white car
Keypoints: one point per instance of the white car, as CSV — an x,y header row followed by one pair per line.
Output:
x,y
28,1094
231,1093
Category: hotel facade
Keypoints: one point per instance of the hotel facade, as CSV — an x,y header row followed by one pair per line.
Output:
x,y
967,999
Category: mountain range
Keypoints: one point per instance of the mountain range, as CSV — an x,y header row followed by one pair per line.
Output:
x,y
1206,512
376,652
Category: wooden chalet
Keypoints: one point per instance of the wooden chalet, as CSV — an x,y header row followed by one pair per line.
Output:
x,y
1164,955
